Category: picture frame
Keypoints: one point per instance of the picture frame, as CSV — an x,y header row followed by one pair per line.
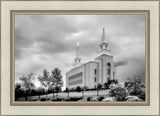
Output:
x,y
8,11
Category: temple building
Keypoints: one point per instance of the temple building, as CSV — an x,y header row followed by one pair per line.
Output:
x,y
92,73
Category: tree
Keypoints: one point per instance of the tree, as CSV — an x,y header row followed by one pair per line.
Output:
x,y
45,80
56,78
135,86
28,83
18,90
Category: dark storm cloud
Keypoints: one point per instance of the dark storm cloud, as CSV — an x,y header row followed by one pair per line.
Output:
x,y
46,32
120,63
47,41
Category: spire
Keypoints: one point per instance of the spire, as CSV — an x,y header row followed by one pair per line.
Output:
x,y
103,35
77,50
104,45
77,59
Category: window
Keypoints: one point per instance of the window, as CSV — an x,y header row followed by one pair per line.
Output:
x,y
108,68
95,79
95,71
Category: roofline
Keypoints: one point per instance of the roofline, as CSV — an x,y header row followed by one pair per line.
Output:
x,y
82,65
104,55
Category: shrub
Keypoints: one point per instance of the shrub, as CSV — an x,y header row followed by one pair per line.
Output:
x,y
78,89
99,86
118,92
109,82
106,85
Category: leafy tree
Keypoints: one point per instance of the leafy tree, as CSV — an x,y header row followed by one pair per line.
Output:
x,y
28,83
45,80
135,86
51,82
56,78
18,90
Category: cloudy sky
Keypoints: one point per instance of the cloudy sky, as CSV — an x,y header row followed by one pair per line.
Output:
x,y
49,41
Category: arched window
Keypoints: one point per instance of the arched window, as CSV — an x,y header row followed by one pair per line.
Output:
x,y
95,71
108,69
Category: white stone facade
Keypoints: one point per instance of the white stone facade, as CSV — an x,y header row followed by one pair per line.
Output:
x,y
94,72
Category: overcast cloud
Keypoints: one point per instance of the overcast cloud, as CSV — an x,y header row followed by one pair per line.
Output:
x,y
49,41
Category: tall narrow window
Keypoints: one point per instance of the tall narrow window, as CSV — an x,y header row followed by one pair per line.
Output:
x,y
95,71
108,69
95,79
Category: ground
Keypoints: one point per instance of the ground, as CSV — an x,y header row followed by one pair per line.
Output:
x,y
64,95
103,95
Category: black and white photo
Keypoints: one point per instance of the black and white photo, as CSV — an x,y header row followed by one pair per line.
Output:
x,y
80,58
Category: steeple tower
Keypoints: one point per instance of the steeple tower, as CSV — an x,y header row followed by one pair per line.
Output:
x,y
77,59
104,45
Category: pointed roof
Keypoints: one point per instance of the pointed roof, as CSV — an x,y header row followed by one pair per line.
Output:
x,y
104,45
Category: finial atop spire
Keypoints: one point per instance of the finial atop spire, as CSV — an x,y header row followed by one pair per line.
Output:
x,y
103,35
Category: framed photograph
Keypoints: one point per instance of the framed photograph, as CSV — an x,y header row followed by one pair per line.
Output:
x,y
80,58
